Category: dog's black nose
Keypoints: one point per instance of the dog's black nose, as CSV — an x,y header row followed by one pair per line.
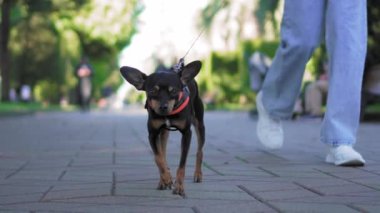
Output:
x,y
164,108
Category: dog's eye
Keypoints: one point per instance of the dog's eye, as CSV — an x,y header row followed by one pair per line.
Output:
x,y
172,91
154,91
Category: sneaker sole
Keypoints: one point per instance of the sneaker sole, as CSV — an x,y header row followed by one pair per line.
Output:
x,y
351,163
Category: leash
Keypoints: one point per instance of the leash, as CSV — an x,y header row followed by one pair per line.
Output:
x,y
181,63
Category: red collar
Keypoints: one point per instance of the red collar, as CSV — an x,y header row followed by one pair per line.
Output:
x,y
182,105
183,101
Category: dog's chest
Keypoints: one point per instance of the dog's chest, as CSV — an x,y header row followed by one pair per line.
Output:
x,y
165,122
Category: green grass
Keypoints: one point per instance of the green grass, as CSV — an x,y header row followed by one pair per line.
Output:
x,y
373,108
7,108
230,107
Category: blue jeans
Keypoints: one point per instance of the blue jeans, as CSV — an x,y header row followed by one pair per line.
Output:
x,y
343,26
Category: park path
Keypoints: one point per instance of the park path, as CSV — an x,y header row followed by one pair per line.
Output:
x,y
101,162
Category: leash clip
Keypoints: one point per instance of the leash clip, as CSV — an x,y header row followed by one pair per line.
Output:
x,y
179,66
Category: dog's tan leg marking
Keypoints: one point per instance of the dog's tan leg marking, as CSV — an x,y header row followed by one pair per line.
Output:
x,y
179,186
158,144
185,145
164,135
166,177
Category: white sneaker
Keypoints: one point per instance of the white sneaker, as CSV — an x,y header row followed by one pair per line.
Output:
x,y
269,131
344,155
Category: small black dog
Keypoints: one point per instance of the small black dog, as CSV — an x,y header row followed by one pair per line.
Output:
x,y
173,102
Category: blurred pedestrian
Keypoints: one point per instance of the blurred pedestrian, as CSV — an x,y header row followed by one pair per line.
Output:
x,y
258,65
13,95
84,73
343,25
25,93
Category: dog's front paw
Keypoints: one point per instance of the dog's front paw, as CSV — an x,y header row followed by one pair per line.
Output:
x,y
179,189
164,186
165,182
197,176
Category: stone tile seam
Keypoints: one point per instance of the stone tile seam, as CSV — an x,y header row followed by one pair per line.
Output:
x,y
17,170
309,189
258,198
348,180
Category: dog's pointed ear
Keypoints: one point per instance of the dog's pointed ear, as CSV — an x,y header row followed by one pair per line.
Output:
x,y
190,71
133,76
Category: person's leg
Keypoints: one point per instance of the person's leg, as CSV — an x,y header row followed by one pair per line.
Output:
x,y
301,32
346,36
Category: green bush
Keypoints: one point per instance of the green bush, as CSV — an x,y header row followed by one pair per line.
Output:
x,y
47,92
224,79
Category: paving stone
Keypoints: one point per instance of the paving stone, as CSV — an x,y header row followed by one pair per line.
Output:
x,y
266,186
51,174
333,199
20,198
348,189
124,200
216,205
88,176
309,207
108,166
44,207
286,194
121,191
212,187
317,182
136,209
17,190
8,162
218,195
368,208
77,191
237,207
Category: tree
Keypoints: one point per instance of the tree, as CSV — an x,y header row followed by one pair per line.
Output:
x,y
210,11
266,12
262,12
373,52
47,38
4,51
104,29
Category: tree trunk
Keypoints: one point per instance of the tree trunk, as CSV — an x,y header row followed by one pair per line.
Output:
x,y
4,51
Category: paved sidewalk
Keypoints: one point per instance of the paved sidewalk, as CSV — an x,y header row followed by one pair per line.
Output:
x,y
101,162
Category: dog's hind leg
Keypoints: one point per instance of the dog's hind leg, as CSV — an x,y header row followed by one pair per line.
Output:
x,y
200,130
